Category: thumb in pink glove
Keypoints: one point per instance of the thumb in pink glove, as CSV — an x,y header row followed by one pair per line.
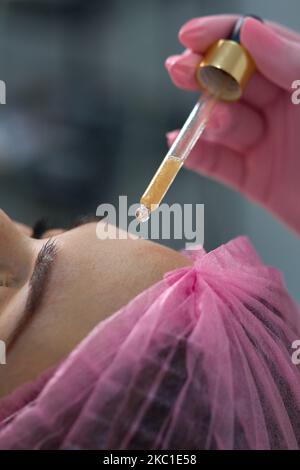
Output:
x,y
252,145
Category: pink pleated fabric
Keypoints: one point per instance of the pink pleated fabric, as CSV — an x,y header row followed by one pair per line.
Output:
x,y
201,360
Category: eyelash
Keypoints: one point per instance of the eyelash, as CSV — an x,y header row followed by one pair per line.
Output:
x,y
41,226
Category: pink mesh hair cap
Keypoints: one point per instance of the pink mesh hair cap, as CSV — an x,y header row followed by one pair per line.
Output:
x,y
201,360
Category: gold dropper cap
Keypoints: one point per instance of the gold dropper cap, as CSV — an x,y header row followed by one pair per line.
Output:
x,y
226,67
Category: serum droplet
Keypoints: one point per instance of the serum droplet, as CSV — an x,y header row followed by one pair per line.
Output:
x,y
142,214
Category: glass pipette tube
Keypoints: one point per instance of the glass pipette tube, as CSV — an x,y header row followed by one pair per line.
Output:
x,y
173,161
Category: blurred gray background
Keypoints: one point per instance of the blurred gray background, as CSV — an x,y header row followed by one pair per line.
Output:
x,y
88,105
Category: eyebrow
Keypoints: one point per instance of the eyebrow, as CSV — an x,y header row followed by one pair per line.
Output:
x,y
37,285
42,270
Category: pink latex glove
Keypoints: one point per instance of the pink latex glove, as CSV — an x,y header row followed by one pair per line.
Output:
x,y
252,145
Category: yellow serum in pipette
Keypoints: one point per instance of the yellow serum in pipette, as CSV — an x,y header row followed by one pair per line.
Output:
x,y
160,184
179,151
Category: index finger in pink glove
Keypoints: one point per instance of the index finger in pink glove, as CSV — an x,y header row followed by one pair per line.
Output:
x,y
284,31
199,33
275,49
278,59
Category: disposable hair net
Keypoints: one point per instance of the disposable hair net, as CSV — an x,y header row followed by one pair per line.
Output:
x,y
201,360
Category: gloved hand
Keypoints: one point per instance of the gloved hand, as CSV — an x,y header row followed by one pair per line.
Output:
x,y
252,145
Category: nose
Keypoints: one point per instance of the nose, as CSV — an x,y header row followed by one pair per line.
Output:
x,y
16,251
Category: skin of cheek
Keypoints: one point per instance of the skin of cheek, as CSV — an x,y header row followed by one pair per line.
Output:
x,y
91,280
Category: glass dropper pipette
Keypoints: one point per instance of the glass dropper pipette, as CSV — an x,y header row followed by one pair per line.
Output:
x,y
173,161
223,73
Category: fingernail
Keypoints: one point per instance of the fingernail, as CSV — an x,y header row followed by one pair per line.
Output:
x,y
170,61
190,30
183,69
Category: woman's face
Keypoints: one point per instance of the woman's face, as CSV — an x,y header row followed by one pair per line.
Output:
x,y
54,290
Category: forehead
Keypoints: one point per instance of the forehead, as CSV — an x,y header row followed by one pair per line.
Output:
x,y
25,229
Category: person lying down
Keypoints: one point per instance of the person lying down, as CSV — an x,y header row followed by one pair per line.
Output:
x,y
126,344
